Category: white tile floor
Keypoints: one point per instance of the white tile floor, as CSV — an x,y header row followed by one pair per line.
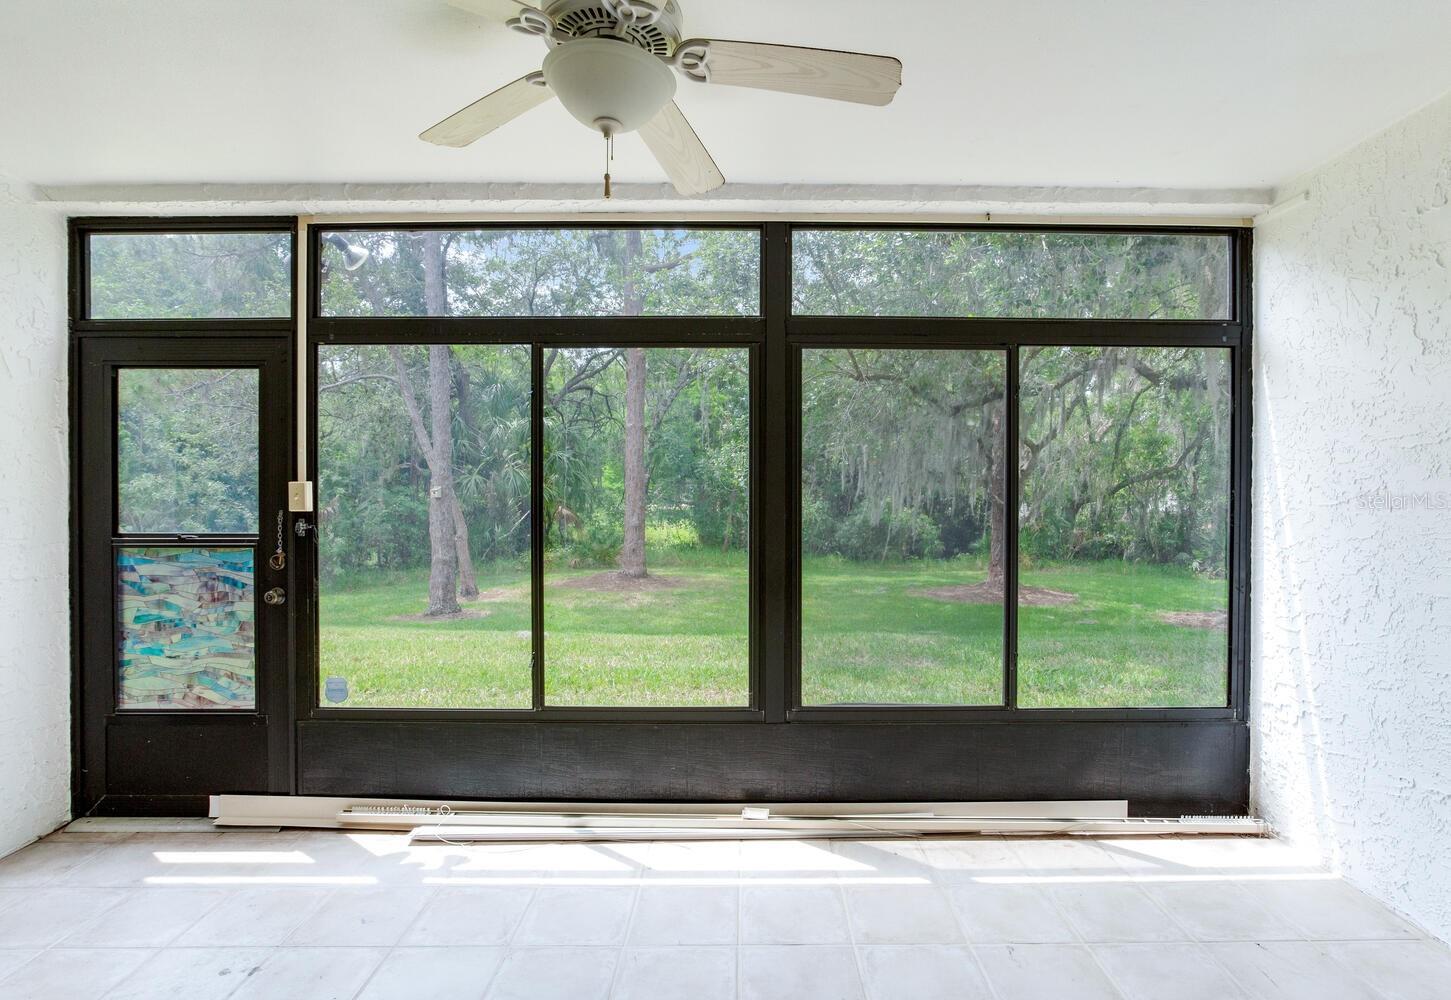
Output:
x,y
309,915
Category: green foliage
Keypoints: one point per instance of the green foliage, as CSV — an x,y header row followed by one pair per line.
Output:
x,y
894,535
900,447
190,275
373,479
597,542
672,535
1008,274
186,441
1127,455
552,272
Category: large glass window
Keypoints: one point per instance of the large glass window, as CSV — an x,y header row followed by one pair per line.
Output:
x,y
903,521
926,470
1046,275
541,272
190,275
1123,596
423,526
791,485
647,486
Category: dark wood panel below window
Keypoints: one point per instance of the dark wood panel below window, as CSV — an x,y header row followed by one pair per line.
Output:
x,y
1162,768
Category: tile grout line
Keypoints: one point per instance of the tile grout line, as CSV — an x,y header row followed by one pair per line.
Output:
x,y
992,987
509,939
624,943
1107,976
972,946
388,952
740,885
1249,991
851,937
309,914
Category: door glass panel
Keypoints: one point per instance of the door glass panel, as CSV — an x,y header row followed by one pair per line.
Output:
x,y
186,628
423,514
647,573
190,275
1123,597
187,451
902,527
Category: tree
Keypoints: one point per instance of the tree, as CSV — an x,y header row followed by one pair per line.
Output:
x,y
632,268
451,572
1121,452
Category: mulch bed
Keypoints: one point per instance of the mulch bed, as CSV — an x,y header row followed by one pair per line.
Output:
x,y
987,593
1196,619
460,615
615,582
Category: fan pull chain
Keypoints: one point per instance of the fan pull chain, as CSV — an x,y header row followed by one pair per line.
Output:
x,y
609,156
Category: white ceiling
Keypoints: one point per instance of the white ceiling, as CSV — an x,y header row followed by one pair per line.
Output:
x,y
1187,94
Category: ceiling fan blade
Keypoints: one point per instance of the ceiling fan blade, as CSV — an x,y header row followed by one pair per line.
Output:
x,y
488,113
839,76
498,10
680,151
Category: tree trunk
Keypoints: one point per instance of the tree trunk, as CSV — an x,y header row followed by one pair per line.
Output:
x,y
442,535
632,550
468,583
997,506
443,531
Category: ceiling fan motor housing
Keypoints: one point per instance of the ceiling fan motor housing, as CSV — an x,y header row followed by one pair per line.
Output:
x,y
607,84
658,33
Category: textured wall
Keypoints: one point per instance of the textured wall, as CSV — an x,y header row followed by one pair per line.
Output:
x,y
34,537
1352,506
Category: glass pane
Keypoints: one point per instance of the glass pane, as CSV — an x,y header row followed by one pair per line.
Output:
x,y
191,275
1124,527
902,519
647,475
186,447
1005,274
542,272
423,513
186,625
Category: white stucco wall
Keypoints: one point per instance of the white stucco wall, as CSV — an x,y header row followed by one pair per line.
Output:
x,y
34,536
1352,507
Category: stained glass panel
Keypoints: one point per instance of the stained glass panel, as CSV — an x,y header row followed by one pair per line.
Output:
x,y
186,628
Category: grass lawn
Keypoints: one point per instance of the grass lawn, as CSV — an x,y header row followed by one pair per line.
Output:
x,y
867,636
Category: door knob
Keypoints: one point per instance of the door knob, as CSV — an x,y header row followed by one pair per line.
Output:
x,y
275,596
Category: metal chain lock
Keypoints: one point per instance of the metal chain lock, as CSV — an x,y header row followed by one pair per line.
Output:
x,y
279,558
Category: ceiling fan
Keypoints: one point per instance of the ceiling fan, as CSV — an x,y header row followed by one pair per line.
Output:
x,y
612,64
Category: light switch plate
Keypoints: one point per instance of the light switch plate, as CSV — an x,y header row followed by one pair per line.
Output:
x,y
299,497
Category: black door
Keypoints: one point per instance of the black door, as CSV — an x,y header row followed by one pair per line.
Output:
x,y
184,571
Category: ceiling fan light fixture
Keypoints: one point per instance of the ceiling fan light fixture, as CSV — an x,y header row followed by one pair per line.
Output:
x,y
601,80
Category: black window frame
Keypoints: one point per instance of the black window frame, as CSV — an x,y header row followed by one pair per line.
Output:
x,y
325,741
776,339
1010,334
537,333
154,750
